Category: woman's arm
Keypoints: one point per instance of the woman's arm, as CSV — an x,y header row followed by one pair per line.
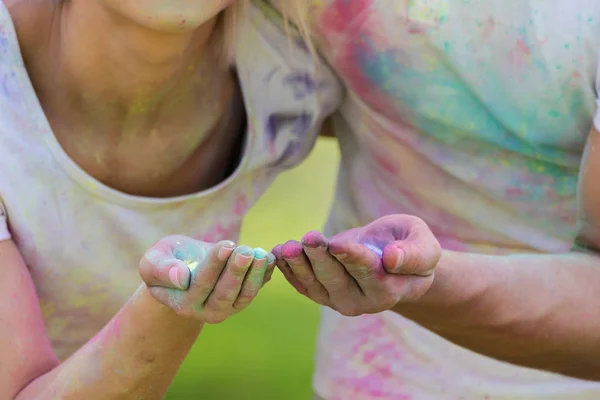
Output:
x,y
136,355
140,348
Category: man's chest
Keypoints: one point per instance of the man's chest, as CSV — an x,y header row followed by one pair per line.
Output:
x,y
480,67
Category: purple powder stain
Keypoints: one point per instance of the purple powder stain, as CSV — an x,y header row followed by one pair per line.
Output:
x,y
303,84
374,249
301,43
298,125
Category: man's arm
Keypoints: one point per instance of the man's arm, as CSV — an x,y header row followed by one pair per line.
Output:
x,y
540,311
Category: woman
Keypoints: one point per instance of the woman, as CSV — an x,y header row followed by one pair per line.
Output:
x,y
121,122
475,117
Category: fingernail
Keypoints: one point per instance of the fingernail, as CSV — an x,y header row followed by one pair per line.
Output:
x,y
400,258
271,258
292,252
175,278
341,256
245,250
313,240
229,244
225,251
244,256
313,245
260,254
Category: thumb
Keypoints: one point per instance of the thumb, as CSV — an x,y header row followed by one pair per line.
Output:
x,y
417,254
168,272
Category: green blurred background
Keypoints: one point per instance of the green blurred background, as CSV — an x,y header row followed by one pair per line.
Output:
x,y
266,352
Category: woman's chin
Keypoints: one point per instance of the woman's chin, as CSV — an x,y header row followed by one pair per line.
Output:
x,y
169,15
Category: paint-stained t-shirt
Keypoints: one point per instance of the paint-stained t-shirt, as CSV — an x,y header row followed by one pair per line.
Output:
x,y
82,240
471,114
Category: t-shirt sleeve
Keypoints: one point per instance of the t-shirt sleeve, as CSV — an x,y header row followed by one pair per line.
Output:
x,y
4,233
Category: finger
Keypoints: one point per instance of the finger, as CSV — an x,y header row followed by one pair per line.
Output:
x,y
158,268
285,269
290,277
280,261
254,279
206,273
363,264
169,262
230,283
277,252
417,254
270,268
293,254
327,269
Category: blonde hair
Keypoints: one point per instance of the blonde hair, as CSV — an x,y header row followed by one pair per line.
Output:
x,y
295,14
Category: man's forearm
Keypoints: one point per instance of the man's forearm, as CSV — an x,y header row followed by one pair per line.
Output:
x,y
135,356
538,311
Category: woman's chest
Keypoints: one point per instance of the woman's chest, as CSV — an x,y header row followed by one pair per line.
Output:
x,y
185,153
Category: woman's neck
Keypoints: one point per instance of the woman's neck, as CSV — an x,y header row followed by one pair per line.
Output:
x,y
108,68
106,55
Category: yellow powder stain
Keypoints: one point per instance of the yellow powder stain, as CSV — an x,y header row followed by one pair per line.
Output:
x,y
48,308
92,185
98,157
427,11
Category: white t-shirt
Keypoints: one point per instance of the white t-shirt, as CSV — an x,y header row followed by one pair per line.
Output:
x,y
82,240
471,114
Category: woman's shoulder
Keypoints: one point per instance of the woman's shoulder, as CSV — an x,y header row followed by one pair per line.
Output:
x,y
24,28
276,60
288,89
29,18
21,116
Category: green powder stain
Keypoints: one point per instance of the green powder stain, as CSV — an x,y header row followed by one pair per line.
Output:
x,y
554,113
176,298
446,47
260,254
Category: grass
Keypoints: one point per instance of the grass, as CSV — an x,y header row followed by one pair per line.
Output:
x,y
266,352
